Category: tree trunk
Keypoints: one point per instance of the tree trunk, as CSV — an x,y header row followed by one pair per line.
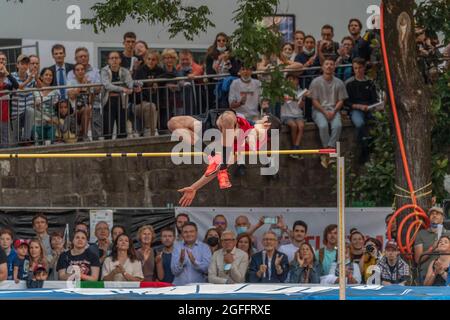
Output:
x,y
413,100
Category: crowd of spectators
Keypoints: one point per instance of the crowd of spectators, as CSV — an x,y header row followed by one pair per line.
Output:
x,y
225,254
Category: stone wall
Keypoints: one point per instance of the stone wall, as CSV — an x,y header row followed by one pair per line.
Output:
x,y
153,182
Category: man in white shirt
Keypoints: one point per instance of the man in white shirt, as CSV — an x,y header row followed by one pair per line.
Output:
x,y
299,231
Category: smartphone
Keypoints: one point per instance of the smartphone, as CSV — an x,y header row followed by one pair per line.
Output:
x,y
270,220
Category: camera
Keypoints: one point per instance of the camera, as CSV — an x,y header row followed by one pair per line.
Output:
x,y
370,248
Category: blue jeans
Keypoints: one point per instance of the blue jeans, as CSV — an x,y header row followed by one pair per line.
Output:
x,y
324,131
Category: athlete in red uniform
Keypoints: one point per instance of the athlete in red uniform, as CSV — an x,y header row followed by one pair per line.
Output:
x,y
242,137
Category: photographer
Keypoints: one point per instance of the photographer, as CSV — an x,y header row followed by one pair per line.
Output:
x,y
371,256
394,270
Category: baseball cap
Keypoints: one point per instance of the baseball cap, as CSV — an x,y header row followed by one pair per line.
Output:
x,y
20,242
23,57
40,267
391,244
437,209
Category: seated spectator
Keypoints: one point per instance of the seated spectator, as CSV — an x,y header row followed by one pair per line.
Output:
x,y
146,254
36,256
21,262
328,254
245,243
40,227
6,244
81,99
212,239
327,48
145,109
269,265
102,247
7,82
87,262
220,223
123,264
427,240
328,94
356,245
361,94
304,268
245,94
352,271
93,77
394,270
229,264
140,52
299,231
180,220
164,257
115,97
345,57
437,274
45,113
361,49
57,243
66,127
127,57
191,258
371,256
3,266
37,277
292,114
116,231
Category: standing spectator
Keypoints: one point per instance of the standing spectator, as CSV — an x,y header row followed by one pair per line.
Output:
x,y
361,48
40,227
393,269
305,268
427,240
393,227
188,67
7,82
212,239
356,246
145,108
299,232
116,231
191,258
170,93
361,94
6,244
245,94
287,58
328,94
115,97
437,274
81,226
163,259
299,42
22,105
229,264
308,58
21,262
327,48
345,58
102,247
292,114
220,223
269,265
180,221
57,243
35,68
146,254
81,100
242,225
245,243
45,103
371,256
352,271
328,254
123,264
190,94
37,256
140,51
127,58
93,77
3,266
61,68
79,256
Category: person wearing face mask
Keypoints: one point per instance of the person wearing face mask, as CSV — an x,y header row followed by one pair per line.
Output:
x,y
426,240
212,239
287,58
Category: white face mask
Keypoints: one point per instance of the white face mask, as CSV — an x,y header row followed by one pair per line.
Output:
x,y
246,79
221,49
287,56
309,52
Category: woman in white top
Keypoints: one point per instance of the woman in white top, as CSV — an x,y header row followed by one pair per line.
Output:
x,y
123,264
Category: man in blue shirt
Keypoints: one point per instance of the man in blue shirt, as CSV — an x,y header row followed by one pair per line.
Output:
x,y
190,258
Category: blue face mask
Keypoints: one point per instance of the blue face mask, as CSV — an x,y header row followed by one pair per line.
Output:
x,y
241,230
435,225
